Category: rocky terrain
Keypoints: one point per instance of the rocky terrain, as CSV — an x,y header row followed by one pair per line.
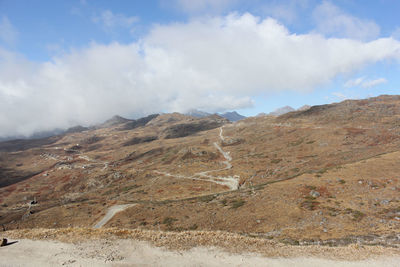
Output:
x,y
321,175
230,116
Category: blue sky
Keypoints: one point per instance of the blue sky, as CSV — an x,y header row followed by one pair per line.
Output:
x,y
72,62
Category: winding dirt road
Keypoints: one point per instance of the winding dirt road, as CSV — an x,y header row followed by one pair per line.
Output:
x,y
231,181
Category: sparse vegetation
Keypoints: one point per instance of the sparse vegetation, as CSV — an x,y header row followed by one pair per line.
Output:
x,y
296,143
207,198
237,203
276,170
332,211
168,221
311,187
309,203
108,192
128,188
357,215
193,227
275,161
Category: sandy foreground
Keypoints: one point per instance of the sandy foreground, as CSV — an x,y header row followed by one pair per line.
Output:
x,y
139,253
113,247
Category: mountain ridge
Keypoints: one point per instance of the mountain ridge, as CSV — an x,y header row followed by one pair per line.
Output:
x,y
334,163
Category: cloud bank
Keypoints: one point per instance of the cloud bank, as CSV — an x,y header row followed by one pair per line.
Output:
x,y
364,83
331,20
213,64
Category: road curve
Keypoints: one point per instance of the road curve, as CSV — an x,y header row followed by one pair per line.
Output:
x,y
231,181
110,213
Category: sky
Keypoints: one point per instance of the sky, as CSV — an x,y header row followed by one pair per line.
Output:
x,y
79,62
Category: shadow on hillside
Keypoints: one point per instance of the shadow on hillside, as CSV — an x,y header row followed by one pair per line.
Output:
x,y
24,144
9,176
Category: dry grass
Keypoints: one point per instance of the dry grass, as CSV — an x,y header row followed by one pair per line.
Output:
x,y
231,242
352,162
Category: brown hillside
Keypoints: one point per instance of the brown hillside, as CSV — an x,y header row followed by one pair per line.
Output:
x,y
328,173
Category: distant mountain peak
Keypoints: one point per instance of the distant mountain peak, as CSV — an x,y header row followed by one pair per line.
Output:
x,y
115,120
281,111
197,113
232,116
119,119
305,107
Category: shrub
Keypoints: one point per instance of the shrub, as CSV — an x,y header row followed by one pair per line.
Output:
x,y
295,170
274,161
207,198
309,203
296,143
311,187
193,227
237,203
357,215
169,221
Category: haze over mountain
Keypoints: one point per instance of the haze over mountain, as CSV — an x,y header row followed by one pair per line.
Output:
x,y
197,113
281,111
284,110
231,116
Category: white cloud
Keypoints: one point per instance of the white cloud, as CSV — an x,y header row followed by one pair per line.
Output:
x,y
333,21
364,83
110,20
396,33
8,33
213,64
197,6
373,83
285,10
354,82
340,95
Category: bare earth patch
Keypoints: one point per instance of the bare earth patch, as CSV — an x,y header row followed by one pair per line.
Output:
x,y
200,248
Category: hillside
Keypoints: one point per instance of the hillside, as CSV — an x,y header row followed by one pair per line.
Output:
x,y
325,174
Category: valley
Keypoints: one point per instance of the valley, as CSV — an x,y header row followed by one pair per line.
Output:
x,y
324,175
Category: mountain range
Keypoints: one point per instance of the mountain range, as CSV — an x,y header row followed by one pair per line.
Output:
x,y
232,116
326,174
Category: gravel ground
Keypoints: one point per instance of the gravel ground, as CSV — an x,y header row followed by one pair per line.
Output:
x,y
123,247
139,253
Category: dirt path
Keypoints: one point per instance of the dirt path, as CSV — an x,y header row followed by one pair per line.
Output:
x,y
231,181
111,212
105,163
138,253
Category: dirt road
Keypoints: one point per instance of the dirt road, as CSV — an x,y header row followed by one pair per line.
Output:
x,y
138,253
231,181
111,212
